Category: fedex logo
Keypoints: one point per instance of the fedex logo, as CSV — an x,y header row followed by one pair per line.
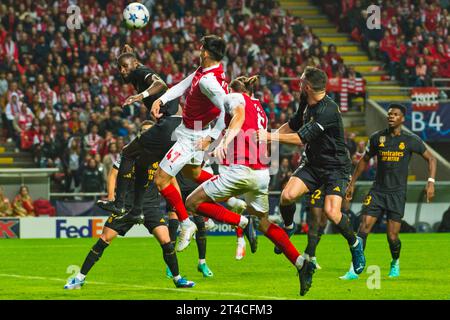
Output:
x,y
92,230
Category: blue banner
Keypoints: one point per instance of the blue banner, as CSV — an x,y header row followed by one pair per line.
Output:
x,y
429,125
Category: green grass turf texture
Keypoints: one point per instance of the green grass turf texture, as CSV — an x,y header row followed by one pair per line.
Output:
x,y
133,268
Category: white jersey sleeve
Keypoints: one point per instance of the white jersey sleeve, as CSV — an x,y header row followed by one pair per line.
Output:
x,y
212,89
232,100
178,90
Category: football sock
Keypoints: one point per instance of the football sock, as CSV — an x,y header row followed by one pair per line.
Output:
x,y
170,257
219,213
395,247
203,176
239,232
313,241
280,238
173,196
93,256
200,236
173,228
287,212
345,229
363,236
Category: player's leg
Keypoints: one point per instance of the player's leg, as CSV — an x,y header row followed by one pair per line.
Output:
x,y
173,225
124,181
314,222
395,245
299,184
199,202
199,175
200,239
369,218
169,167
241,245
161,233
281,240
93,256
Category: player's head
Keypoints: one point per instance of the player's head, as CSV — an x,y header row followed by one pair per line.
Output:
x,y
243,84
396,115
146,124
213,48
314,81
127,62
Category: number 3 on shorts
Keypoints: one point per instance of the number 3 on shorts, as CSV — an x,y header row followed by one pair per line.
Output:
x,y
367,200
172,156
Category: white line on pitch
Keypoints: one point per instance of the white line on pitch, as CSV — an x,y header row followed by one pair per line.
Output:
x,y
149,288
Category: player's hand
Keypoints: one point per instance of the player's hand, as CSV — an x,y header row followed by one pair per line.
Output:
x,y
127,49
132,99
203,144
262,135
349,192
220,152
429,190
156,106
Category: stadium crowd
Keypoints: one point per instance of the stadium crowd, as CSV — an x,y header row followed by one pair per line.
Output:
x,y
413,41
61,95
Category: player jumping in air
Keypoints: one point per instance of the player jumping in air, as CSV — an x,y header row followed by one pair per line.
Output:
x,y
318,125
152,145
393,148
153,220
205,90
247,174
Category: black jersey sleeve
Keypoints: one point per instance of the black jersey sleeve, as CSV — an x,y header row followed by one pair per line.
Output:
x,y
140,77
417,145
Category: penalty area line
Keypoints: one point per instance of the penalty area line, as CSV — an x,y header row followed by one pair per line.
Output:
x,y
148,287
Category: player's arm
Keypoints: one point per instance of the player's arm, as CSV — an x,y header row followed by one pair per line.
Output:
x,y
371,150
156,85
432,164
214,91
236,107
173,93
287,133
112,178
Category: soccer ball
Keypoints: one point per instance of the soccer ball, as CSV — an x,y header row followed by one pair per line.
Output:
x,y
136,15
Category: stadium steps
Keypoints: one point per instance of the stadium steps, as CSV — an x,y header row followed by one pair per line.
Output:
x,y
350,51
11,159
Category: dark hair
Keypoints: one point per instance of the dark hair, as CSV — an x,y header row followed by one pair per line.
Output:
x,y
243,84
215,46
125,55
398,106
316,77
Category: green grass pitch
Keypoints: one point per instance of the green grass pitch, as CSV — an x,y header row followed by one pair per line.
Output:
x,y
134,269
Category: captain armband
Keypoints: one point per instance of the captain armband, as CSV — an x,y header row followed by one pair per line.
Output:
x,y
310,131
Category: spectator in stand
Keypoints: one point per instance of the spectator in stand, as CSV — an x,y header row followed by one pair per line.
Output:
x,y
23,204
92,141
369,171
421,73
284,98
72,159
110,158
92,179
5,205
